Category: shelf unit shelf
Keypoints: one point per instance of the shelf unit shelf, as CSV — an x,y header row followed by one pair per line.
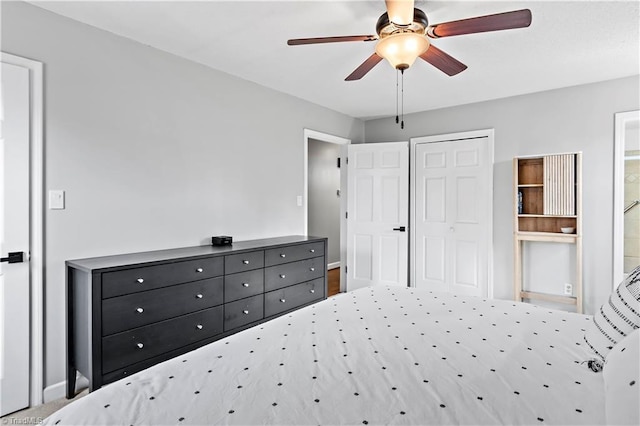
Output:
x,y
532,295
547,194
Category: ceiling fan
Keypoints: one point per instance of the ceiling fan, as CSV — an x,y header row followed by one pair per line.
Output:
x,y
403,34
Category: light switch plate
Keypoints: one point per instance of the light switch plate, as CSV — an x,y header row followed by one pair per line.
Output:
x,y
299,200
56,199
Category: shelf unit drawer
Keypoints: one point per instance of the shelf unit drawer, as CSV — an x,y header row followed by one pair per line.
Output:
x,y
243,312
243,262
134,280
138,309
243,284
287,254
287,274
122,349
288,298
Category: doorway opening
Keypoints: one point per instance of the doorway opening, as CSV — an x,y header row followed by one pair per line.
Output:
x,y
325,197
626,202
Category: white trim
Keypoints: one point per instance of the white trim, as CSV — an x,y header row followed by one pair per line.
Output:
x,y
59,390
37,221
325,137
621,120
333,265
485,133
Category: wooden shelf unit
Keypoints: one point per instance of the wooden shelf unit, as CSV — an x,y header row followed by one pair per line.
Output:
x,y
551,190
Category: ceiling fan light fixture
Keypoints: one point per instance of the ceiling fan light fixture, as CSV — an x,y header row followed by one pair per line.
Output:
x,y
402,49
400,11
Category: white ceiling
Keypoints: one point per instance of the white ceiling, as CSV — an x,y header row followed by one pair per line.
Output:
x,y
568,43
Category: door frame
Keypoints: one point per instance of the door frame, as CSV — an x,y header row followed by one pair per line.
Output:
x,y
36,223
344,142
449,137
619,141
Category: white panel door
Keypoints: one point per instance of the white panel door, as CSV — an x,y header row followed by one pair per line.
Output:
x,y
452,222
14,237
378,208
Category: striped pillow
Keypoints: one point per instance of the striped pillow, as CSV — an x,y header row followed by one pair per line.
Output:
x,y
616,318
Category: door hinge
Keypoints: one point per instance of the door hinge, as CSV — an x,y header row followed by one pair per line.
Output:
x,y
345,269
338,162
346,215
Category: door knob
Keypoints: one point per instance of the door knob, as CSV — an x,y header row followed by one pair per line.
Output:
x,y
13,257
401,229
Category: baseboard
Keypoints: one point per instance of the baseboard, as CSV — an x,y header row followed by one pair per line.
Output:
x,y
333,265
59,390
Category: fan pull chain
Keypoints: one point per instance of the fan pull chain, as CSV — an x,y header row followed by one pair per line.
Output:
x,y
402,100
397,120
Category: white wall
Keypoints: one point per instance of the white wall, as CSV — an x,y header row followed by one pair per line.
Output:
x,y
579,118
154,151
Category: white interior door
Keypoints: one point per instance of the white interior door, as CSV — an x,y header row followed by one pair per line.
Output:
x,y
14,237
453,198
377,214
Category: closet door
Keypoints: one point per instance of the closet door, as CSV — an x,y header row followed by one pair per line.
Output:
x,y
378,206
452,190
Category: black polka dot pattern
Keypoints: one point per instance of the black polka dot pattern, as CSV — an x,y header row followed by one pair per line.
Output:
x,y
380,355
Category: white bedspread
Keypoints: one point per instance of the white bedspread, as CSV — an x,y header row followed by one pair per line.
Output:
x,y
381,355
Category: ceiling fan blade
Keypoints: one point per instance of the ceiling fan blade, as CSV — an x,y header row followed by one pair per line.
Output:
x,y
364,68
481,24
443,61
337,39
400,11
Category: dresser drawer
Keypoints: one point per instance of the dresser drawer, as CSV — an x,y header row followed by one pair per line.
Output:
x,y
149,277
292,273
243,262
122,349
286,254
244,311
138,309
243,284
292,297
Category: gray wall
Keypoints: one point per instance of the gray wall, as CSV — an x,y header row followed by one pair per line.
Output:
x,y
579,118
154,151
324,204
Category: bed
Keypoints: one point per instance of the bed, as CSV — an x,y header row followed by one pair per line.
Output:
x,y
377,355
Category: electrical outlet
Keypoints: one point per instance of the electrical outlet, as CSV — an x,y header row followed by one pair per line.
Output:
x,y
568,289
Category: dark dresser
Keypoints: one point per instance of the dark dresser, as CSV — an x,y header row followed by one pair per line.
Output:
x,y
128,312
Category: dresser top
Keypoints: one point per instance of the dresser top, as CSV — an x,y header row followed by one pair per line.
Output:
x,y
184,253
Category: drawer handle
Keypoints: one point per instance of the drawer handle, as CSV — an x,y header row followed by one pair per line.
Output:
x,y
245,284
246,262
282,300
140,280
283,255
312,269
199,270
199,296
139,310
312,291
199,326
245,312
283,276
140,345
312,250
